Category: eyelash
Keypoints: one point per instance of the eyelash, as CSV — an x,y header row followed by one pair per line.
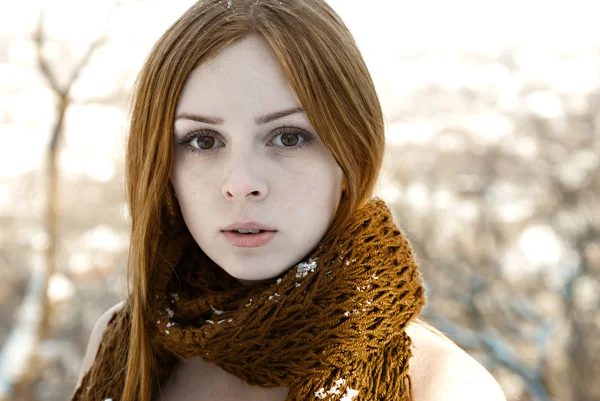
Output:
x,y
286,129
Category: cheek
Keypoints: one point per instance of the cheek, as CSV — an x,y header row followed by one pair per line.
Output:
x,y
316,188
190,186
193,199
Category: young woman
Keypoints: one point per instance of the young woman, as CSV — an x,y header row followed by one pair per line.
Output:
x,y
261,267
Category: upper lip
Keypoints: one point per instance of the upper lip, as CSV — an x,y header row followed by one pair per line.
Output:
x,y
248,226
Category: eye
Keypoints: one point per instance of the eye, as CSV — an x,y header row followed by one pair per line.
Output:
x,y
292,138
289,139
286,138
204,142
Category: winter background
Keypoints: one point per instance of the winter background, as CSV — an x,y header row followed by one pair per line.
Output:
x,y
492,170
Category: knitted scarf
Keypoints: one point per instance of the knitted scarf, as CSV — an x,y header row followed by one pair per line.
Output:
x,y
330,328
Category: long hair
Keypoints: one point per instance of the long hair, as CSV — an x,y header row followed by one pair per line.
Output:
x,y
325,69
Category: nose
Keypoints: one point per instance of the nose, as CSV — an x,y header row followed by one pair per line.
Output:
x,y
243,182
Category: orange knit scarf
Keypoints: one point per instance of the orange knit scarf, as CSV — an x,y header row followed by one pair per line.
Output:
x,y
330,328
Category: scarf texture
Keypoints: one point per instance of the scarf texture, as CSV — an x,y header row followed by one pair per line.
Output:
x,y
330,328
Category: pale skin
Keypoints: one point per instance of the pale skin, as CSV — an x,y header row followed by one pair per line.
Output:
x,y
251,173
276,173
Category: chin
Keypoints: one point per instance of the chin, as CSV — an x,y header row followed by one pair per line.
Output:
x,y
249,282
243,278
249,268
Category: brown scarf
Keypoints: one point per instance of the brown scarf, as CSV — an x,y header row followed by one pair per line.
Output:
x,y
330,328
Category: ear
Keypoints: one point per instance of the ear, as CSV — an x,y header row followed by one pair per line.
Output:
x,y
345,186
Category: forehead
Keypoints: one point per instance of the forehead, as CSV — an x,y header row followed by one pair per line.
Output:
x,y
244,75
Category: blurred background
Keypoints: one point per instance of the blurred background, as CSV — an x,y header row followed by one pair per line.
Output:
x,y
492,170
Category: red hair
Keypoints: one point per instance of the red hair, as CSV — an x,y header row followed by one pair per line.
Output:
x,y
324,68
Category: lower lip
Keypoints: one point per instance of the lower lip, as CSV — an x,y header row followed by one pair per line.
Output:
x,y
248,240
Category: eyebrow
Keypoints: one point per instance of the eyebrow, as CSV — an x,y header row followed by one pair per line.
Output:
x,y
267,118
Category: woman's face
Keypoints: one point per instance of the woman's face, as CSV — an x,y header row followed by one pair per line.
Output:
x,y
244,152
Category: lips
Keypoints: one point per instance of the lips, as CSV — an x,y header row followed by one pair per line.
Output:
x,y
248,226
249,240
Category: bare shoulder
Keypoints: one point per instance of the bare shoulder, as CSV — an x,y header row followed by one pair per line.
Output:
x,y
95,338
442,371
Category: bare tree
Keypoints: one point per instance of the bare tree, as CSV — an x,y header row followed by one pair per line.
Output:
x,y
539,324
18,357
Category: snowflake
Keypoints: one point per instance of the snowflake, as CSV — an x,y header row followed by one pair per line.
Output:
x,y
305,268
218,312
349,395
336,386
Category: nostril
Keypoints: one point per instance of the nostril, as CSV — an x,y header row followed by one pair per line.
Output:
x,y
243,194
